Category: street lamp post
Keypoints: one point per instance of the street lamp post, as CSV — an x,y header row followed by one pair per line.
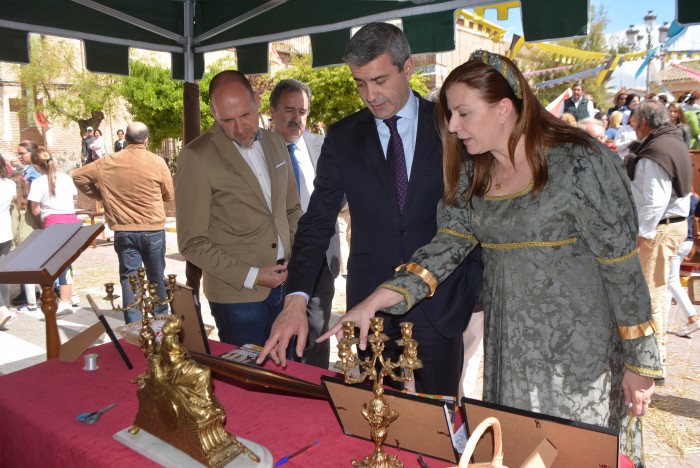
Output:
x,y
634,38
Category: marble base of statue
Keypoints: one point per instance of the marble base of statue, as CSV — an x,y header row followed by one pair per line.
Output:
x,y
166,455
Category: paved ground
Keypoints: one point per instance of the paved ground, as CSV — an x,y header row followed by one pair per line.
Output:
x,y
672,430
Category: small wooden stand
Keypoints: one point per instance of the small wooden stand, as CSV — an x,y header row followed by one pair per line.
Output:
x,y
40,259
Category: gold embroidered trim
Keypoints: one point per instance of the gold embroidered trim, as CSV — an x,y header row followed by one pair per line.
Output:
x,y
644,371
425,275
635,331
452,232
610,261
522,245
512,195
403,291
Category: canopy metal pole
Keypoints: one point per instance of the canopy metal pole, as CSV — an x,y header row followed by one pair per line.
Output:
x,y
190,114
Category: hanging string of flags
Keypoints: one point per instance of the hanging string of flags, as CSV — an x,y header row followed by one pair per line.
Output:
x,y
546,70
572,57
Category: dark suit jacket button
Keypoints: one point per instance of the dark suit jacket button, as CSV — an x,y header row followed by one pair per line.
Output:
x,y
402,232
274,245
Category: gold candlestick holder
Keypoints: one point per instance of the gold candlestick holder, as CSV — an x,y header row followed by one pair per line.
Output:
x,y
145,294
375,368
176,397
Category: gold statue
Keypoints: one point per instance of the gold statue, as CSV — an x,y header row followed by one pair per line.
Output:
x,y
377,412
176,399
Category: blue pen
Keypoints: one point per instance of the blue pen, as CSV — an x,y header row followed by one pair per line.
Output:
x,y
306,447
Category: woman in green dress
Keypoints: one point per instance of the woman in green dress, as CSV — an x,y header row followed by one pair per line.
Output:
x,y
568,326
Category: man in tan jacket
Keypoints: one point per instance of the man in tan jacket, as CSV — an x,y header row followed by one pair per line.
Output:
x,y
132,185
237,211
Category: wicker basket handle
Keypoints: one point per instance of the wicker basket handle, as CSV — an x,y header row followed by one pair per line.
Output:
x,y
476,436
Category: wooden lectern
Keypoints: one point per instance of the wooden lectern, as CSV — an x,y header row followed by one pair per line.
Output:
x,y
40,259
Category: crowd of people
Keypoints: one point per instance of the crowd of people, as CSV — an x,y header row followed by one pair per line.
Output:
x,y
559,242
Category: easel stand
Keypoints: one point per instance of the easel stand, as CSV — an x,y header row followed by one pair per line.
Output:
x,y
40,259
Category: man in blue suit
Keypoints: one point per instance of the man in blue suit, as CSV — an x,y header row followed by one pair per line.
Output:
x,y
393,184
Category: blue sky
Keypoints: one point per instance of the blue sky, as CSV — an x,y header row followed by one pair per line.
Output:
x,y
621,14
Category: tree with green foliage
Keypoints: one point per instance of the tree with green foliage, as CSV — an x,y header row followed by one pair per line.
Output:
x,y
62,87
154,98
334,94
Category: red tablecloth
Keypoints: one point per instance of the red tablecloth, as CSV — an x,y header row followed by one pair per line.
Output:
x,y
38,406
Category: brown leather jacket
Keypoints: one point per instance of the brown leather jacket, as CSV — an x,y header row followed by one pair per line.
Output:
x,y
132,184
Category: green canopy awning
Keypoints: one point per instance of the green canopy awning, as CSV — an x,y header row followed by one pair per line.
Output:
x,y
189,28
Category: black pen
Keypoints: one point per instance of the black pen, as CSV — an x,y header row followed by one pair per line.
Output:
x,y
422,462
306,447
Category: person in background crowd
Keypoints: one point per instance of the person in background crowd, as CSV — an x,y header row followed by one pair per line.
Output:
x,y
594,128
678,120
679,293
23,223
7,194
626,138
290,103
88,139
52,197
614,124
25,149
120,144
17,167
661,174
692,117
134,210
663,99
618,102
569,118
605,119
631,102
97,147
578,105
552,209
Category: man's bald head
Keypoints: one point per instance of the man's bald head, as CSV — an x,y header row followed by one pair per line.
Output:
x,y
136,133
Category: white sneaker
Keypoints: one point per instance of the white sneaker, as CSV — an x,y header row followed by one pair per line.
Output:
x,y
75,300
689,328
64,308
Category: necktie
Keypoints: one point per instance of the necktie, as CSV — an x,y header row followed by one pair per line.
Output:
x,y
396,159
295,163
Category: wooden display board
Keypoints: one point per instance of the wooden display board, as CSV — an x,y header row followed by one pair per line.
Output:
x,y
577,444
423,425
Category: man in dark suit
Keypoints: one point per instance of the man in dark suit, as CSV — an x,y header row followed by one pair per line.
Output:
x,y
289,108
393,211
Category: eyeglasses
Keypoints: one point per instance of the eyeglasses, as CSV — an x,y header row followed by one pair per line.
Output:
x,y
22,154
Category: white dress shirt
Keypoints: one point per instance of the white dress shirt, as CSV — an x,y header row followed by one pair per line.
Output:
x,y
407,126
255,158
655,198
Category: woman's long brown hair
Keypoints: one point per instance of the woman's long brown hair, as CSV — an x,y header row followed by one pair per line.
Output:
x,y
539,128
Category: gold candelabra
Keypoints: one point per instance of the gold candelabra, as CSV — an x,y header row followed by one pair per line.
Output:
x,y
176,397
375,368
145,294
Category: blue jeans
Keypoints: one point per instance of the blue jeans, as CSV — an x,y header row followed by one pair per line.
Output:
x,y
134,248
248,322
